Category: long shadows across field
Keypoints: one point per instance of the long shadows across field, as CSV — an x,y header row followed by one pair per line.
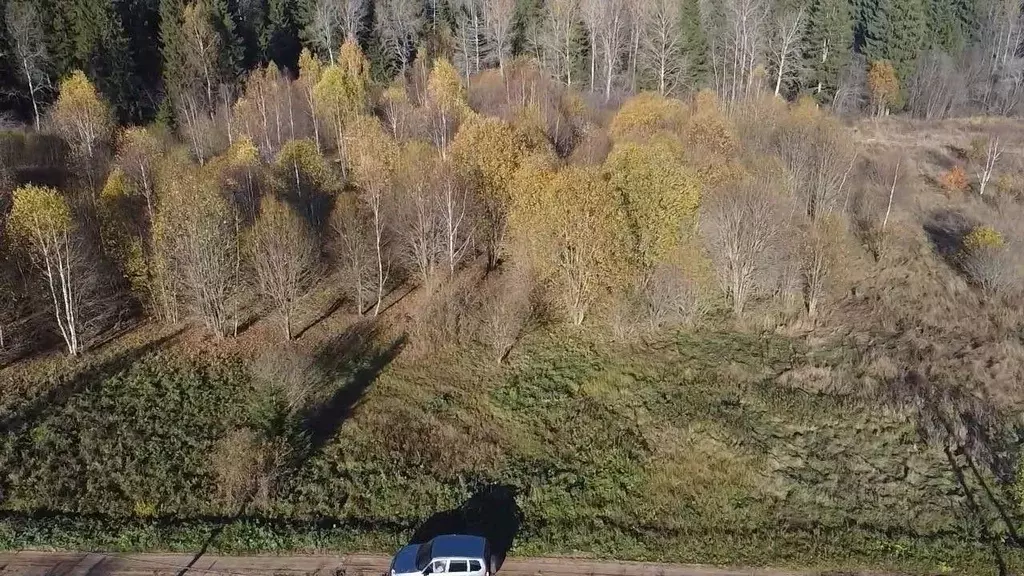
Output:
x,y
492,512
354,359
975,447
57,396
343,369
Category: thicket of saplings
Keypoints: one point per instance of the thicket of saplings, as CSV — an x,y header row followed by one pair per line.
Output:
x,y
543,241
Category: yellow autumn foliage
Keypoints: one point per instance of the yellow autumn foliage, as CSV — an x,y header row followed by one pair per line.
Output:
x,y
444,87
491,150
570,226
301,159
372,162
983,238
81,115
40,217
342,91
659,194
647,114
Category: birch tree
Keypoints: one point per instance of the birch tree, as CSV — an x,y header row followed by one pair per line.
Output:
x,y
396,108
355,241
447,102
498,18
373,168
353,14
195,233
310,71
738,47
455,217
744,225
560,35
985,153
418,203
342,94
607,22
202,46
660,48
41,219
784,45
82,117
470,47
324,29
283,254
397,25
590,11
573,231
138,152
818,157
28,50
191,52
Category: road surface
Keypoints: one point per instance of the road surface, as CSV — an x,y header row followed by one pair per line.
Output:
x,y
28,563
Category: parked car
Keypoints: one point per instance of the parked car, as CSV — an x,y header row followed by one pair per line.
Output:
x,y
452,554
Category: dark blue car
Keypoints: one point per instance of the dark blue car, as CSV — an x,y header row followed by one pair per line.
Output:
x,y
452,554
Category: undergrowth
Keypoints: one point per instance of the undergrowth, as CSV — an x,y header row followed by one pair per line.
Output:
x,y
702,447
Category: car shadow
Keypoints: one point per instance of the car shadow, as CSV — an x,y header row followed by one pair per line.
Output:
x,y
492,513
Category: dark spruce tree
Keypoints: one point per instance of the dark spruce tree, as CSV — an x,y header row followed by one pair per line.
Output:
x,y
282,33
101,49
141,22
944,27
56,16
694,44
892,30
827,46
172,43
232,50
252,24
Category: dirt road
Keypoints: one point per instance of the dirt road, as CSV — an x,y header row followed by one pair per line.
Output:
x,y
83,564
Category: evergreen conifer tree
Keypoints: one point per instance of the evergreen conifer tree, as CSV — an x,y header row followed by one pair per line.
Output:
x,y
828,41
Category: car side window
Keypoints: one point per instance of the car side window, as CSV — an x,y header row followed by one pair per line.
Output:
x,y
458,566
474,566
437,567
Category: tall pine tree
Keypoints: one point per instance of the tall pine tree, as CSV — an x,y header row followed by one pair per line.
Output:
x,y
694,44
827,46
232,50
101,49
893,30
282,33
141,20
944,27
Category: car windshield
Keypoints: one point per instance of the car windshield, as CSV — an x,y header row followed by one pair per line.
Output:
x,y
424,555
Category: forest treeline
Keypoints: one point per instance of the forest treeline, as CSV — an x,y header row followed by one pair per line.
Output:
x,y
511,150
171,59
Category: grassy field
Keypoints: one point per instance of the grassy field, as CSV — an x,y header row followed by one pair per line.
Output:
x,y
701,447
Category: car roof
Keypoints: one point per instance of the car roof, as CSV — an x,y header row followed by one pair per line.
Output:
x,y
458,546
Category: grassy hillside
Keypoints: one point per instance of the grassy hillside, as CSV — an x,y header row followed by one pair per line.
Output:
x,y
704,446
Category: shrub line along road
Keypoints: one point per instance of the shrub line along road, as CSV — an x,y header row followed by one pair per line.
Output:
x,y
32,563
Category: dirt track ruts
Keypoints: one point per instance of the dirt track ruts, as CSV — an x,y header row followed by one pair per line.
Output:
x,y
32,563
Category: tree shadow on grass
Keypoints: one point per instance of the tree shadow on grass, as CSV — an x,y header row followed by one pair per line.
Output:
x,y
492,513
352,361
946,230
968,428
92,371
346,366
326,313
